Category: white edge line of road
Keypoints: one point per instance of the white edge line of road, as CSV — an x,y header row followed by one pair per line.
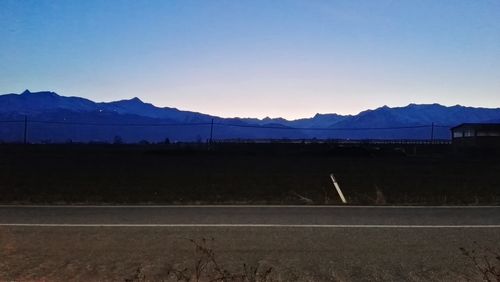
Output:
x,y
246,206
244,225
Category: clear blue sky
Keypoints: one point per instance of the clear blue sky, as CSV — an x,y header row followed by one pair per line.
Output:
x,y
289,58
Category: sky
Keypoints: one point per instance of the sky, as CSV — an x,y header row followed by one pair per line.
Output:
x,y
283,58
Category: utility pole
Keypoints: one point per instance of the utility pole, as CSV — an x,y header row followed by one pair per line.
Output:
x,y
25,129
211,131
432,133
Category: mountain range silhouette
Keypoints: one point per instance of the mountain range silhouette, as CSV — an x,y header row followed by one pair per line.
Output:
x,y
55,118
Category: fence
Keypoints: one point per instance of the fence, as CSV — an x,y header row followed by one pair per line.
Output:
x,y
44,131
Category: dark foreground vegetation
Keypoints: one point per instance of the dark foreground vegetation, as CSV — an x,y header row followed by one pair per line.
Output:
x,y
205,266
247,174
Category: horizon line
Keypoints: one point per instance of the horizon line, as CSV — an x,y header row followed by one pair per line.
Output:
x,y
27,91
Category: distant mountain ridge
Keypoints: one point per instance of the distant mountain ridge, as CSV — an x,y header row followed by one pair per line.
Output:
x,y
46,109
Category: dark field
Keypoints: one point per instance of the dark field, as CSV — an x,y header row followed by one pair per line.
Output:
x,y
247,173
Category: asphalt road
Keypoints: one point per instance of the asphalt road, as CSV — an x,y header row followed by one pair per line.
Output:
x,y
253,215
300,243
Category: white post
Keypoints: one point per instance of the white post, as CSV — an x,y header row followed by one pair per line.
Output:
x,y
338,189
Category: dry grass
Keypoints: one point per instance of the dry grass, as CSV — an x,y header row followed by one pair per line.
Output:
x,y
486,261
206,267
152,254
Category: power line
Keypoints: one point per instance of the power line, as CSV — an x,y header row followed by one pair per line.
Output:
x,y
118,124
226,124
11,121
322,128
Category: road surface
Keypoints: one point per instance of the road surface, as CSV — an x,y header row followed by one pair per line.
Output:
x,y
296,216
60,243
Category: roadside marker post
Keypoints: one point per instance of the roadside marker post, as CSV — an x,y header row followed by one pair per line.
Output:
x,y
337,187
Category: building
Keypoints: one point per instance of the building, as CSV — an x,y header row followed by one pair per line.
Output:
x,y
484,135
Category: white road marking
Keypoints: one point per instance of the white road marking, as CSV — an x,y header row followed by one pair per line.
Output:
x,y
246,206
245,225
